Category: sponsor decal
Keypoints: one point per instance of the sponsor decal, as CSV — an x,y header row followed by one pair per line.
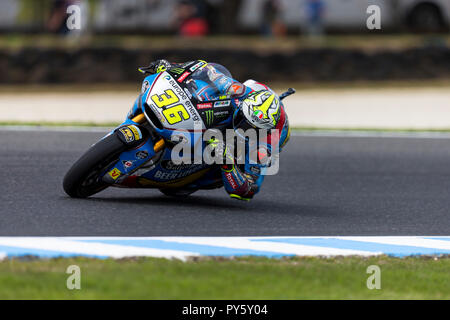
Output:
x,y
222,114
230,179
204,105
131,133
177,70
187,64
127,163
169,165
183,76
187,103
198,65
136,131
220,104
115,173
145,86
237,89
178,90
167,176
188,93
237,102
141,154
209,115
127,134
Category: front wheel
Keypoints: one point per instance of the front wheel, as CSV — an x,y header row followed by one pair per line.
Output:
x,y
83,179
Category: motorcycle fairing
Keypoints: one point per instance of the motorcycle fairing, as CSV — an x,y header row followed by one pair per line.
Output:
x,y
155,101
172,106
165,174
129,161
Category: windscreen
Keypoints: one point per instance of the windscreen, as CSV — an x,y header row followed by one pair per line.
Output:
x,y
212,82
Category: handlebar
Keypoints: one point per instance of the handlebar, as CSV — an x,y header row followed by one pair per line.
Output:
x,y
287,93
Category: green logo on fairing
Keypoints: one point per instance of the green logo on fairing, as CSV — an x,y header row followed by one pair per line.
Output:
x,y
177,70
209,117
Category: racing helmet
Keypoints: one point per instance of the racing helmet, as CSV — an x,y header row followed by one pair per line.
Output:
x,y
260,110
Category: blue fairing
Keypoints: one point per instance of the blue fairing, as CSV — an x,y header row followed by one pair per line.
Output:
x,y
142,98
136,163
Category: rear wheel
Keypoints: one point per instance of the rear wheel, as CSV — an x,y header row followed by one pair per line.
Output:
x,y
83,179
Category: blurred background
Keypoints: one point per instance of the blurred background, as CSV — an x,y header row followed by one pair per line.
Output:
x,y
209,17
322,47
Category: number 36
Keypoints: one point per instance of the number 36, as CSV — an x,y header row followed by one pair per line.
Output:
x,y
173,114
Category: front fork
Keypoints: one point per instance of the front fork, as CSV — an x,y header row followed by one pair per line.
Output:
x,y
141,149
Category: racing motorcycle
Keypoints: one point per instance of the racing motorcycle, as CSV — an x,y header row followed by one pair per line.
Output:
x,y
138,153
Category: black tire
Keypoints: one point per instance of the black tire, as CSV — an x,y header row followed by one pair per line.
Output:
x,y
82,179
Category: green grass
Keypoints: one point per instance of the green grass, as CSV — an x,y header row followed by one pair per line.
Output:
x,y
243,278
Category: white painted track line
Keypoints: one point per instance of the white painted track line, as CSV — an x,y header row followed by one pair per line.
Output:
x,y
284,248
95,249
402,241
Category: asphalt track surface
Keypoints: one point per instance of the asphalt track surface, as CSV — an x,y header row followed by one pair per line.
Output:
x,y
327,186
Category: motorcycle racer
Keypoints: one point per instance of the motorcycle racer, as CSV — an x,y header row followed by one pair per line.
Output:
x,y
257,107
